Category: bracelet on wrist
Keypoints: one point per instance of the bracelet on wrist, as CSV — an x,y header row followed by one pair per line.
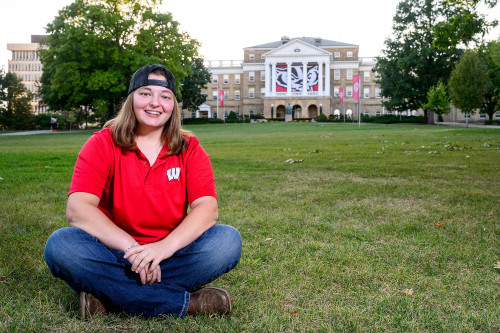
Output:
x,y
131,247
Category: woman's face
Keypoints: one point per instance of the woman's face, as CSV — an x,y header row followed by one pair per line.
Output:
x,y
153,105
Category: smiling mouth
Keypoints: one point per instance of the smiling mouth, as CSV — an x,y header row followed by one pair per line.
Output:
x,y
154,113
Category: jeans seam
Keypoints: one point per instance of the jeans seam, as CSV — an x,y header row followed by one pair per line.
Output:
x,y
185,306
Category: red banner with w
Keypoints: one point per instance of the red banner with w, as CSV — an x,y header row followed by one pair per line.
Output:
x,y
355,83
341,95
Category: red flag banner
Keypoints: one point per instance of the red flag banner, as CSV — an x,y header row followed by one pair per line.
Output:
x,y
355,83
221,97
341,95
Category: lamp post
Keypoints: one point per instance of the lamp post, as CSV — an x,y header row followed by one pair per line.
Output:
x,y
321,109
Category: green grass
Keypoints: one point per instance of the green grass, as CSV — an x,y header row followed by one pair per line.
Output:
x,y
387,228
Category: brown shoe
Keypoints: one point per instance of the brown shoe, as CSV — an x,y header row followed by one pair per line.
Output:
x,y
90,306
209,301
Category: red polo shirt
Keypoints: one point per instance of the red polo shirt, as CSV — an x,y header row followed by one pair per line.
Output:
x,y
146,201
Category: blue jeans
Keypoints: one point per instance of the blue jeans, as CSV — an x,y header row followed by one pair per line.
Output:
x,y
87,265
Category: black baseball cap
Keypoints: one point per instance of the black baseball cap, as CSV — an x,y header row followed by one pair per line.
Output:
x,y
140,79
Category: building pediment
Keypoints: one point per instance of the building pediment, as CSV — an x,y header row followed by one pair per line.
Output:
x,y
204,107
297,48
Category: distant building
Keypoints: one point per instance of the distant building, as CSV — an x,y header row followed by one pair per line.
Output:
x,y
303,72
25,63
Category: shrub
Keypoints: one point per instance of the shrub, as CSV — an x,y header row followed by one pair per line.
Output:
x,y
391,119
199,121
42,121
322,118
231,118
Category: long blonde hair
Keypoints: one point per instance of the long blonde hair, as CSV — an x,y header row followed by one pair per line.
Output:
x,y
124,128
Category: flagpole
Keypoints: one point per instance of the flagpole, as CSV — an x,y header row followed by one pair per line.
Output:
x,y
218,114
359,100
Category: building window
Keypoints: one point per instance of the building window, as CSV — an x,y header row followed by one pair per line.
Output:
x,y
348,91
336,91
225,79
366,92
193,114
214,95
377,113
336,54
482,115
349,54
237,95
367,77
468,116
251,92
367,113
251,113
237,78
226,95
497,115
378,92
215,79
336,74
263,92
251,56
251,76
389,113
204,92
349,74
262,76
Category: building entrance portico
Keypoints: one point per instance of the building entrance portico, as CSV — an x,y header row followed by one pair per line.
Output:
x,y
297,69
301,108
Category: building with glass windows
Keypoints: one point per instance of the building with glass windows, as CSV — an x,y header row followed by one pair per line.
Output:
x,y
25,63
305,73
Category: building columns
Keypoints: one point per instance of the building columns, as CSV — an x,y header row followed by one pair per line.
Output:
x,y
304,78
267,84
289,78
273,80
327,79
320,79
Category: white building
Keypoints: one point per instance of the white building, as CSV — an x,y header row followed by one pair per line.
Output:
x,y
25,63
306,73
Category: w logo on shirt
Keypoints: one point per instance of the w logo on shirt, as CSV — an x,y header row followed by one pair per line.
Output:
x,y
173,174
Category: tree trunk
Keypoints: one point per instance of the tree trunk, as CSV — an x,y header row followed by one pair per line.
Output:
x,y
111,110
430,117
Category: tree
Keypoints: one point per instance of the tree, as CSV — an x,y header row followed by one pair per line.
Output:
x,y
463,24
192,86
491,55
232,118
94,47
15,107
437,100
410,65
469,83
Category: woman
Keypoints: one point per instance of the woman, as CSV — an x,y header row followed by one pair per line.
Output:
x,y
131,246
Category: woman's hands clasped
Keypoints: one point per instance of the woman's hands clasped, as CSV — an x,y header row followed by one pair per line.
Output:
x,y
145,260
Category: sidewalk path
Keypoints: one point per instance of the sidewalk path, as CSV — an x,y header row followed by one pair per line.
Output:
x,y
30,132
470,125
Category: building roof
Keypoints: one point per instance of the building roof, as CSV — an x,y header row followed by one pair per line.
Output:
x,y
316,41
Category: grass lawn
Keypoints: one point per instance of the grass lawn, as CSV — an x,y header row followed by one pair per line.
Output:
x,y
387,228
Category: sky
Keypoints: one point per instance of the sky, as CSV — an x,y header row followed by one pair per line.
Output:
x,y
225,27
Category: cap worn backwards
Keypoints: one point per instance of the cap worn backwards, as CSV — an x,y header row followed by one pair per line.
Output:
x,y
140,78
